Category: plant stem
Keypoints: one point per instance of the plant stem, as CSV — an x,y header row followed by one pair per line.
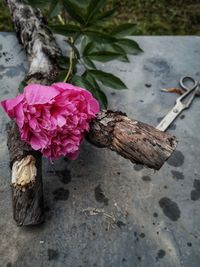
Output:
x,y
70,61
61,20
70,53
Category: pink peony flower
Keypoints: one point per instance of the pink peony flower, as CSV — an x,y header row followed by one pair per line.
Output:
x,y
53,119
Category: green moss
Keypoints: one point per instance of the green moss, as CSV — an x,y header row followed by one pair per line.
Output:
x,y
160,17
5,22
152,17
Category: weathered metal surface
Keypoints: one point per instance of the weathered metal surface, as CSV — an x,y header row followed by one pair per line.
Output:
x,y
101,209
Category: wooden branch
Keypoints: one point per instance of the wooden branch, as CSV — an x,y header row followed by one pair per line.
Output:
x,y
26,182
26,164
133,140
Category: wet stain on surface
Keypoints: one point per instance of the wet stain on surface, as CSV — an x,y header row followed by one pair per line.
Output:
x,y
99,195
177,175
161,254
53,254
158,66
195,194
138,167
61,194
64,176
12,71
170,208
176,159
172,126
5,92
146,178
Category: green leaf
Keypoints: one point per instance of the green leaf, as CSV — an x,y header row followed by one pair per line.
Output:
x,y
61,76
107,79
130,46
38,3
94,7
67,30
121,51
21,86
75,10
75,49
89,62
88,48
100,36
84,42
63,62
124,30
104,56
98,93
103,16
55,9
84,82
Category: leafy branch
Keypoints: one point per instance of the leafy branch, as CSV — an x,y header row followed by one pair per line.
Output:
x,y
91,39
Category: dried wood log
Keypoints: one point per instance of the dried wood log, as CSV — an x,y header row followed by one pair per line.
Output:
x,y
26,164
131,139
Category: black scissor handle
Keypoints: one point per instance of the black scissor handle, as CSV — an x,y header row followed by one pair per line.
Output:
x,y
190,79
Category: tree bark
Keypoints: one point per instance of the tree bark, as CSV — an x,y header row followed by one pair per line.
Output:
x,y
26,164
133,140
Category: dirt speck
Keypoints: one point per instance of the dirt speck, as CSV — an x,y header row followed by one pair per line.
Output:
x,y
161,254
155,214
182,117
99,195
146,178
148,85
142,235
120,224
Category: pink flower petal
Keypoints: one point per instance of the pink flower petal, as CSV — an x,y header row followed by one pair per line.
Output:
x,y
39,94
10,104
19,113
74,155
38,141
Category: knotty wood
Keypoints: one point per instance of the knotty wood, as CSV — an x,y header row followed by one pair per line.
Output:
x,y
42,54
133,140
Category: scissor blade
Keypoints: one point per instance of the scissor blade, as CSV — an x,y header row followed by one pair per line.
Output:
x,y
170,117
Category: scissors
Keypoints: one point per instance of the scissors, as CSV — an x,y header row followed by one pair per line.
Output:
x,y
180,103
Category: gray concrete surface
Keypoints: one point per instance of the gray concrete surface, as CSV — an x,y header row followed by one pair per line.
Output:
x,y
157,214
